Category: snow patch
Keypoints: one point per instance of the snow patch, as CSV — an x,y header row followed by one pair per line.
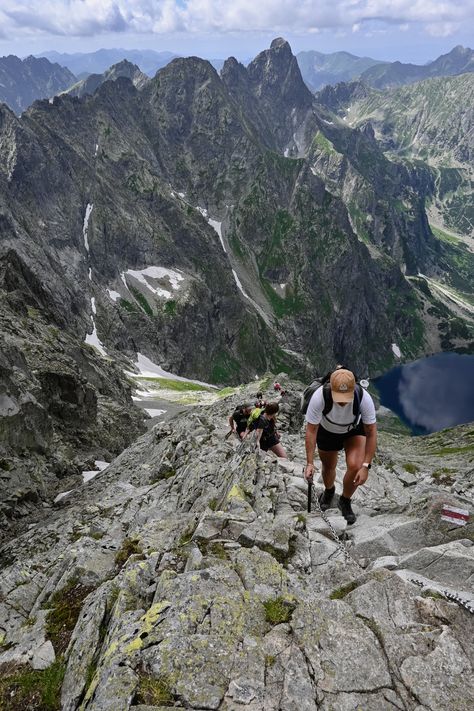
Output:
x,y
96,149
114,295
218,228
148,369
154,413
92,339
85,226
144,275
61,496
287,152
396,351
90,274
100,466
239,285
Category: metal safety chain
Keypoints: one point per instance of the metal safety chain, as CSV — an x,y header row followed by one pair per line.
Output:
x,y
448,595
349,558
340,544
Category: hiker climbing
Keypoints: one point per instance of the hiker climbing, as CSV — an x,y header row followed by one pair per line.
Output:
x,y
259,401
340,415
267,436
238,420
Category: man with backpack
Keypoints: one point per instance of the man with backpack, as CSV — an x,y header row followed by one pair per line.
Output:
x,y
340,415
238,420
267,437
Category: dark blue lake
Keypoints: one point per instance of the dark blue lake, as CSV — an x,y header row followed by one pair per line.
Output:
x,y
432,393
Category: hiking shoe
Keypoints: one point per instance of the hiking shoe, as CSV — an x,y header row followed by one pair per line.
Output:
x,y
325,499
344,505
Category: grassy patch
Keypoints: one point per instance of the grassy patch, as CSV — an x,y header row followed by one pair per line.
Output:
x,y
23,689
154,691
410,468
177,385
130,546
64,608
453,450
279,610
140,298
165,474
340,593
226,391
434,594
170,308
444,476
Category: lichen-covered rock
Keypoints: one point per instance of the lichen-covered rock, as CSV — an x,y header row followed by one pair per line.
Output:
x,y
215,589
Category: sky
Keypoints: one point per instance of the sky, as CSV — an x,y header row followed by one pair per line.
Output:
x,y
409,30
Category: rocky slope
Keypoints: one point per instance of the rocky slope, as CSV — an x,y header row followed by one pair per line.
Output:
x,y
189,575
428,122
22,81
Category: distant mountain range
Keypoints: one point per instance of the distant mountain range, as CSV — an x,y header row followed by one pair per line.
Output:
x,y
81,63
24,81
319,70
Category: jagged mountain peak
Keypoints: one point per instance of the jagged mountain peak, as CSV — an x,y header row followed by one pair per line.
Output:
x,y
276,71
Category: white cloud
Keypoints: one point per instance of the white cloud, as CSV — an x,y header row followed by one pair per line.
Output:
x,y
91,17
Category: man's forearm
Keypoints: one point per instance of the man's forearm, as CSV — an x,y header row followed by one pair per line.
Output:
x,y
370,446
310,443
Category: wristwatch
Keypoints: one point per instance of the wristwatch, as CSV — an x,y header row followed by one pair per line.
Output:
x,y
366,464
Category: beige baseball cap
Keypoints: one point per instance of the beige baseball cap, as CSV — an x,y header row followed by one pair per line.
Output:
x,y
342,385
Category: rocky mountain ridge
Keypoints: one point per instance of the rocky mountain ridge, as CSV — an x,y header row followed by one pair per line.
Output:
x,y
24,81
121,69
189,575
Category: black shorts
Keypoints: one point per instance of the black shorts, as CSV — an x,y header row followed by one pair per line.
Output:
x,y
268,442
331,442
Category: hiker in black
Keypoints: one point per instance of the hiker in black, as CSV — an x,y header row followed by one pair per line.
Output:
x,y
267,436
348,423
238,419
259,401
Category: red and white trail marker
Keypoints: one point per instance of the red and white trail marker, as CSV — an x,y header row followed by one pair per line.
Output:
x,y
457,516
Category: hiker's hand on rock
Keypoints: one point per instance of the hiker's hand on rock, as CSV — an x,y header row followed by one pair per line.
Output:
x,y
361,476
308,472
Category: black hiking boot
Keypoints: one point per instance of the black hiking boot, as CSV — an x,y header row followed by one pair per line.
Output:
x,y
325,499
344,505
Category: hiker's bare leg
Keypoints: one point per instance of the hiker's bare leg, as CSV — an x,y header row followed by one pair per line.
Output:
x,y
328,467
355,450
279,450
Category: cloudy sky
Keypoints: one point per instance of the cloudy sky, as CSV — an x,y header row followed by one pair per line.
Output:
x,y
409,30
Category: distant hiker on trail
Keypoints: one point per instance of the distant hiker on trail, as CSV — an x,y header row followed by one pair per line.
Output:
x,y
277,387
238,420
259,401
341,415
267,435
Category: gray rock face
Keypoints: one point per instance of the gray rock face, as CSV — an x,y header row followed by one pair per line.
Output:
x,y
213,588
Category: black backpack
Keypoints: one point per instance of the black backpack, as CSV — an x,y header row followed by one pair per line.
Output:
x,y
323,382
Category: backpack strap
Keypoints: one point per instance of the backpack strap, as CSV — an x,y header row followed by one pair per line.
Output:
x,y
358,394
327,395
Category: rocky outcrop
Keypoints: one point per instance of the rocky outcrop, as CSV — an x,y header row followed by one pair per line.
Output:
x,y
195,577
